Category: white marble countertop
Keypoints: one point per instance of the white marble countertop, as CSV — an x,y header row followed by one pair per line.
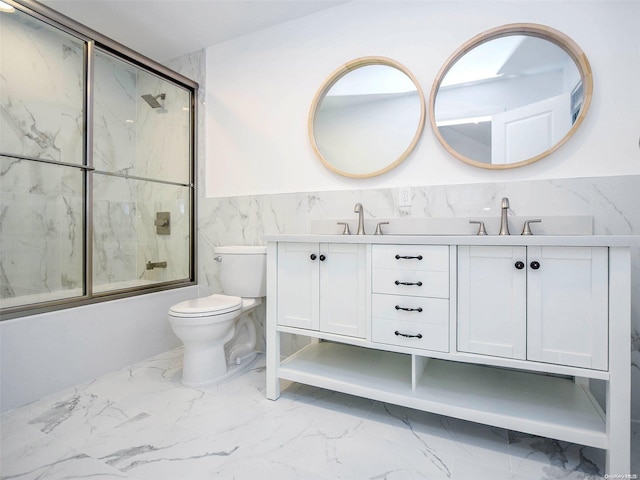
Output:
x,y
554,240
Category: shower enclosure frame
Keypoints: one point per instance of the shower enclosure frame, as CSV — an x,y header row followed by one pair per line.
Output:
x,y
93,40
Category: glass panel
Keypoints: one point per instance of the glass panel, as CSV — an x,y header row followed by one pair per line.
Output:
x,y
141,122
41,92
41,232
126,237
142,129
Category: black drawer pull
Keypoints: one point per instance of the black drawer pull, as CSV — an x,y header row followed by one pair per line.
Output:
x,y
408,283
419,309
535,265
398,257
398,334
313,256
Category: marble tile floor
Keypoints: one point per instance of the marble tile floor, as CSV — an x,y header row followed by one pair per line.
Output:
x,y
139,423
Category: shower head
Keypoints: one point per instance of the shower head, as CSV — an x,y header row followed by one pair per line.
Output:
x,y
153,101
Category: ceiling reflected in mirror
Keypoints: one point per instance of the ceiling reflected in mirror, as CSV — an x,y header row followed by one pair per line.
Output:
x,y
367,117
511,96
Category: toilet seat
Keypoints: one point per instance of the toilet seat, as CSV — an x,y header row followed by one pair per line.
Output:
x,y
206,306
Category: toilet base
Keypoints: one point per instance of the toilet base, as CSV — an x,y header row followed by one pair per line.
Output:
x,y
246,362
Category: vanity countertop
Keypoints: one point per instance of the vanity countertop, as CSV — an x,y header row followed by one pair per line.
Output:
x,y
553,240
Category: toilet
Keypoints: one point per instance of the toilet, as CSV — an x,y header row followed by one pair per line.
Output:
x,y
207,324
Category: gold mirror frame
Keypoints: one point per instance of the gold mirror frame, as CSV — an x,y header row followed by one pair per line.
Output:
x,y
528,29
338,75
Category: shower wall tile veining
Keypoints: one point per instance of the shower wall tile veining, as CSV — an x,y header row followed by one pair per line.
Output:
x,y
41,105
138,164
42,102
131,138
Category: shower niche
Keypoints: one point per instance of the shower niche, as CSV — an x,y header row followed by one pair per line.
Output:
x,y
94,140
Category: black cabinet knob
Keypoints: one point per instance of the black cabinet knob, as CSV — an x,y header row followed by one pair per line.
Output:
x,y
313,256
519,265
322,258
535,265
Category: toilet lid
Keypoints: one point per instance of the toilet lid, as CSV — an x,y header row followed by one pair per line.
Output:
x,y
211,305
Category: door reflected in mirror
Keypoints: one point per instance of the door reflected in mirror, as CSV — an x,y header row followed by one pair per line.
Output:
x,y
511,96
367,117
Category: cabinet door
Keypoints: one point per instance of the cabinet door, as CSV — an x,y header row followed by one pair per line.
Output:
x,y
567,313
492,300
343,289
298,285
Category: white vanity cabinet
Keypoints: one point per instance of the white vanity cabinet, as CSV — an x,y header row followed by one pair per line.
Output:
x,y
323,287
540,303
464,326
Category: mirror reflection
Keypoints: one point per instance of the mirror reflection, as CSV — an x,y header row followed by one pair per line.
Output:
x,y
511,97
367,117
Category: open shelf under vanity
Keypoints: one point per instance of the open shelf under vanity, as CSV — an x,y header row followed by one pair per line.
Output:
x,y
527,402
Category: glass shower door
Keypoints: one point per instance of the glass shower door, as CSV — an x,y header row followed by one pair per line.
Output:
x,y
96,169
142,179
41,162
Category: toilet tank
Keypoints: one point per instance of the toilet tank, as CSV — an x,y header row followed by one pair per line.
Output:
x,y
243,270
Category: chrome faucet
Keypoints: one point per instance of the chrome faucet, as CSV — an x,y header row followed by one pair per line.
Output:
x,y
504,224
360,211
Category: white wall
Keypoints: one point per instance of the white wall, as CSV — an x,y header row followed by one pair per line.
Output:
x,y
43,354
260,87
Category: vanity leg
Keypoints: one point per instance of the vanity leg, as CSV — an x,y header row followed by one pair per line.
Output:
x,y
618,461
619,385
273,363
272,335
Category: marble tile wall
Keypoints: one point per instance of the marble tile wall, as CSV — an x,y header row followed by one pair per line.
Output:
x,y
41,215
32,123
163,134
40,229
609,200
135,139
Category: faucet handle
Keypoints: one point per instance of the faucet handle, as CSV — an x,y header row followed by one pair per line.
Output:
x,y
379,229
346,230
526,230
481,229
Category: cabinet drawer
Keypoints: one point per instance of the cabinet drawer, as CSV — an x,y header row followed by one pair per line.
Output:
x,y
425,327
411,282
414,309
434,258
425,337
421,270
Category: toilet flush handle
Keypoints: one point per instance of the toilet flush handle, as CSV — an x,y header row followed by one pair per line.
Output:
x,y
218,258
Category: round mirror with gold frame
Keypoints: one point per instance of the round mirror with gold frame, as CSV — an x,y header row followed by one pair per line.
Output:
x,y
367,117
511,96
